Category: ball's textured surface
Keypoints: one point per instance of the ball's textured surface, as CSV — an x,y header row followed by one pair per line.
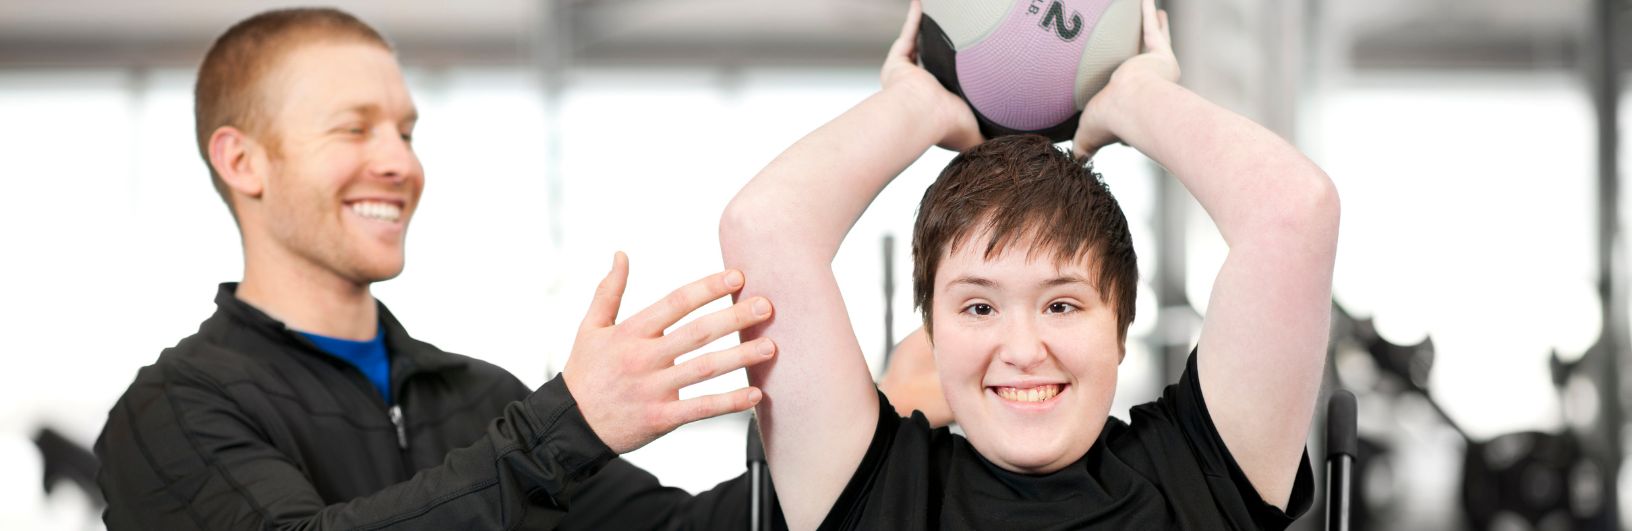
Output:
x,y
1027,66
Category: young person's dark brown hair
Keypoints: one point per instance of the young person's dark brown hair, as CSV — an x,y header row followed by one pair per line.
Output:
x,y
1021,190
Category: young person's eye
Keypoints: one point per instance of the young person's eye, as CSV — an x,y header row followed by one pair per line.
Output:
x,y
1062,307
981,309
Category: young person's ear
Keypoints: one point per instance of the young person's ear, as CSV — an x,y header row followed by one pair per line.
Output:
x,y
239,160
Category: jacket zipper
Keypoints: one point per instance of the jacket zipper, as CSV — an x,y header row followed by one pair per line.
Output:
x,y
396,420
395,413
392,411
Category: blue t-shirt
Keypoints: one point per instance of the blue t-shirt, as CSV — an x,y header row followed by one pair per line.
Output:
x,y
368,356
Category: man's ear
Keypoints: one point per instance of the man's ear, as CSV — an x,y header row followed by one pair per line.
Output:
x,y
239,160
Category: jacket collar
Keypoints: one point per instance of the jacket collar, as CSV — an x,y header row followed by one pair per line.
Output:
x,y
408,355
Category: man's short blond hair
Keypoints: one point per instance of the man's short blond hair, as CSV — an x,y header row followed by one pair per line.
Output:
x,y
229,91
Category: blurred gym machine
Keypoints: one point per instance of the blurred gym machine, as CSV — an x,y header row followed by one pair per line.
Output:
x,y
1522,480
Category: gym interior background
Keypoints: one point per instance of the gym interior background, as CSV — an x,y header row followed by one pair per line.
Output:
x,y
1481,287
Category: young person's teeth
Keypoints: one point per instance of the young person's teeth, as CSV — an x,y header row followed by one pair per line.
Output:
x,y
1034,394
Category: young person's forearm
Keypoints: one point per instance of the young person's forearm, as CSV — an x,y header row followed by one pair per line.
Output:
x,y
811,194
1251,181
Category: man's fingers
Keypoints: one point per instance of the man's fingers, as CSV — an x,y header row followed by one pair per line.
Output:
x,y
603,308
706,329
714,364
710,406
658,317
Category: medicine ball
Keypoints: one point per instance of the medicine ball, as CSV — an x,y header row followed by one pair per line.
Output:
x,y
1027,66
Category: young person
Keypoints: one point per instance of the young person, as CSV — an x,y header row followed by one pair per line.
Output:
x,y
1025,273
304,404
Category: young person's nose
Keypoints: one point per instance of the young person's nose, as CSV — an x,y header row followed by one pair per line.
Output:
x,y
1022,347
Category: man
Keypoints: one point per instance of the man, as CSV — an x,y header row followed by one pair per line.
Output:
x,y
302,403
1025,272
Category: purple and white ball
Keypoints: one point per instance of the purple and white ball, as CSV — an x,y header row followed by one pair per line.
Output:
x,y
1027,66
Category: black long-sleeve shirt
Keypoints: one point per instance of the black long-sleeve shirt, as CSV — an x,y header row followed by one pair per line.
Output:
x,y
247,425
1167,469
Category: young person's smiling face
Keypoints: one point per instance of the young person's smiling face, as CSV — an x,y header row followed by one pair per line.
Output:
x,y
1027,351
344,179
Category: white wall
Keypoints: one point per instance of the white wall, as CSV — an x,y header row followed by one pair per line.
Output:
x,y
114,240
1467,214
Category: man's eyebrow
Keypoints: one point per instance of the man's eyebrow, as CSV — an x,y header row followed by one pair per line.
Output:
x,y
370,110
364,109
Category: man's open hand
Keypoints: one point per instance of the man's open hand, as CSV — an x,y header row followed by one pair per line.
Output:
x,y
623,375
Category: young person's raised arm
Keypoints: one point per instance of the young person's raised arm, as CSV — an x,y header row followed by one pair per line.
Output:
x,y
782,230
1263,341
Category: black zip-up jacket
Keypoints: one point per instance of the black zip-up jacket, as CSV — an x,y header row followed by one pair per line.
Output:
x,y
247,425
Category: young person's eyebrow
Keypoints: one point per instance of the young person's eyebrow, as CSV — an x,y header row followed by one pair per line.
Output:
x,y
1068,279
973,281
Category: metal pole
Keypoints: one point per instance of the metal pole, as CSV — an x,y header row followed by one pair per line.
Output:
x,y
1342,448
761,496
552,51
1613,343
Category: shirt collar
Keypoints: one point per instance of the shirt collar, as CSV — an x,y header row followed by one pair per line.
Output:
x,y
408,355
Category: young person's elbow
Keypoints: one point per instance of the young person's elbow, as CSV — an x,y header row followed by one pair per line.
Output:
x,y
741,226
1322,207
1310,209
